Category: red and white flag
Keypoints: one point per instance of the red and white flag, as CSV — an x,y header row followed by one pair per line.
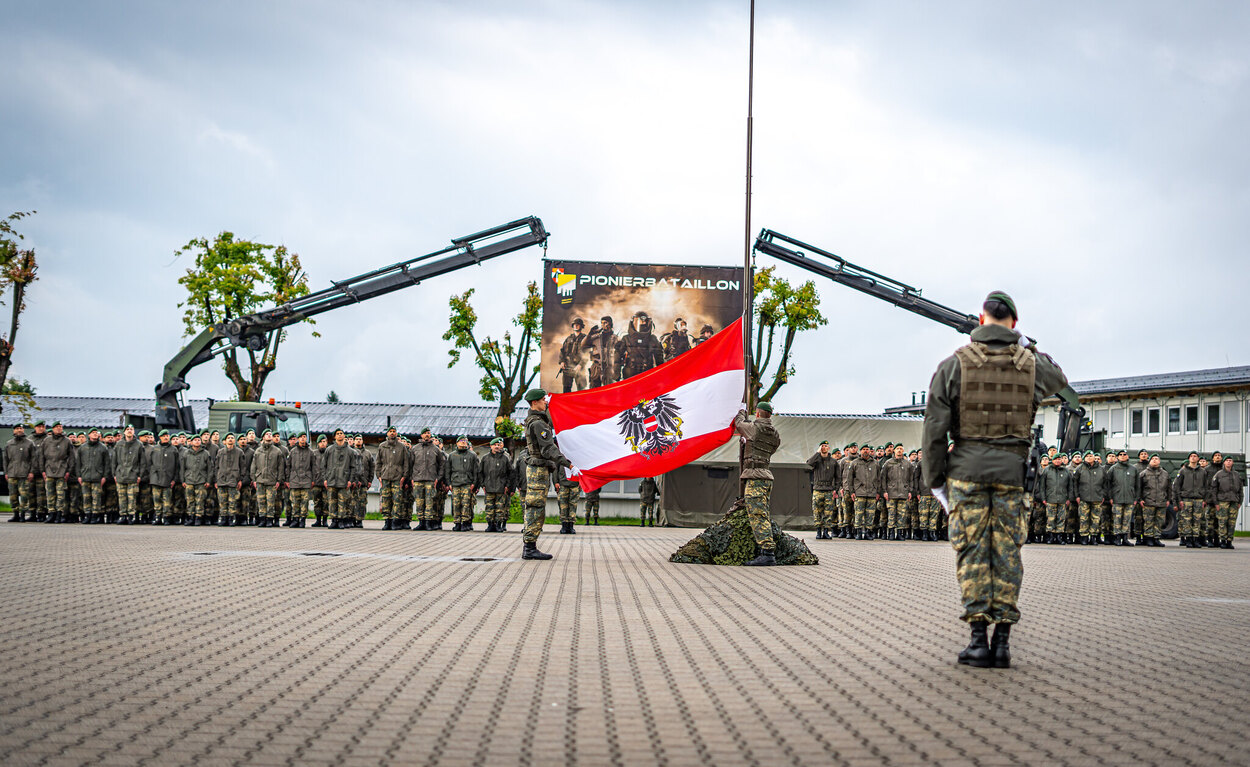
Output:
x,y
655,421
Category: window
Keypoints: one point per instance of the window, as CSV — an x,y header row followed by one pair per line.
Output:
x,y
1232,422
1174,420
1117,423
1152,422
1100,420
1191,419
1213,418
1136,422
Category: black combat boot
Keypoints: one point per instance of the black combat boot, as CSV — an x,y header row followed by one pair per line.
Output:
x,y
490,525
387,525
17,517
502,527
564,528
978,652
530,551
468,527
765,558
999,647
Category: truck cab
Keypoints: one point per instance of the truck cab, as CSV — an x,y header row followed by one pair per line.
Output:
x,y
238,417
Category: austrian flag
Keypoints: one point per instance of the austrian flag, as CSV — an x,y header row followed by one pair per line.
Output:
x,y
655,421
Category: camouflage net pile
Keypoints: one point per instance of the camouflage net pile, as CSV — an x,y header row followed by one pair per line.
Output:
x,y
730,542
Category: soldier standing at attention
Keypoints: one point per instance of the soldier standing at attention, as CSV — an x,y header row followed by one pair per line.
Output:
x,y
496,480
366,479
337,480
229,481
19,468
1055,484
320,510
58,455
572,366
426,471
267,478
896,481
567,492
1089,493
164,472
392,466
542,459
760,440
1154,487
927,505
197,481
846,512
864,482
95,465
463,472
303,474
1122,490
824,493
39,488
1226,494
648,494
441,489
1189,489
128,467
592,506
984,397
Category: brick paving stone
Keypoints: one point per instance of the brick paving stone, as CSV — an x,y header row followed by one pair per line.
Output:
x,y
150,653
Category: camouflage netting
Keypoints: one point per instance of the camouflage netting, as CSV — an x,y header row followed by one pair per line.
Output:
x,y
730,542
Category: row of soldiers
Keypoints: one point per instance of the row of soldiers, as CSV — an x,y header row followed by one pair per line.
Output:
x,y
870,492
1080,499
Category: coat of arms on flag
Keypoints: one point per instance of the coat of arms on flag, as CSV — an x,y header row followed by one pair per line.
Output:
x,y
657,420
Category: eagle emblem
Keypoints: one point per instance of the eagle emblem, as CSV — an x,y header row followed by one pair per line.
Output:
x,y
652,427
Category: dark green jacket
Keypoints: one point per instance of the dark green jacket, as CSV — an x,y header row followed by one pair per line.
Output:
x,y
1056,485
427,462
58,456
1190,484
1154,487
826,473
197,467
19,457
865,477
303,468
229,467
648,490
999,460
896,479
541,441
462,469
392,460
496,472
267,465
1122,483
1226,486
337,463
1091,483
95,462
164,465
129,462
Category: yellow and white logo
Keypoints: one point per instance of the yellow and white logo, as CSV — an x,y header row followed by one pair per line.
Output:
x,y
565,284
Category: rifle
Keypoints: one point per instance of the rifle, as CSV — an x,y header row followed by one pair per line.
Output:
x,y
1034,464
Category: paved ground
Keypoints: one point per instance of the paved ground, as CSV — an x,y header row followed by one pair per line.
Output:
x,y
139,646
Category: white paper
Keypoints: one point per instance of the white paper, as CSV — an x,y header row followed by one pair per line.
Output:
x,y
940,494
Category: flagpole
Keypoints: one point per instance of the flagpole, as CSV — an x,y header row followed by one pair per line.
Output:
x,y
748,285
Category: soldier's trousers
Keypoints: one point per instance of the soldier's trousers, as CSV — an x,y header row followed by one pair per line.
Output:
x,y
592,508
928,513
1091,515
1056,517
247,500
987,527
566,501
1225,519
267,500
1121,516
1189,518
897,513
54,488
127,498
1072,518
163,500
111,500
1152,520
319,501
823,508
1107,517
846,512
228,500
536,480
338,500
462,504
92,497
758,494
195,500
20,496
497,508
1209,526
180,499
145,499
440,505
75,495
1037,518
39,494
865,512
299,503
390,499
879,518
424,493
362,502
646,510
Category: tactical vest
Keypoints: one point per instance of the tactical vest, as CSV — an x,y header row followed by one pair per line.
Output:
x,y
761,447
996,391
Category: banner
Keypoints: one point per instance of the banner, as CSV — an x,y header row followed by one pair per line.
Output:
x,y
656,421
603,323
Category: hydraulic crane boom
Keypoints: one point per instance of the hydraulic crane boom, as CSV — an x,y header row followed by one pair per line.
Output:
x,y
254,331
841,271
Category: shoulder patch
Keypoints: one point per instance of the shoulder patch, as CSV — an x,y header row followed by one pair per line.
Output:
x,y
544,433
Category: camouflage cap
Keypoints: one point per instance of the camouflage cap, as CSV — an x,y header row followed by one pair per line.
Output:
x,y
533,395
998,295
767,407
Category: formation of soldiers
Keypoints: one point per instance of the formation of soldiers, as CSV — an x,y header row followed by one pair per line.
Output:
x,y
865,493
601,356
1080,499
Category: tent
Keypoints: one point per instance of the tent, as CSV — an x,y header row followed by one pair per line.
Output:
x,y
697,494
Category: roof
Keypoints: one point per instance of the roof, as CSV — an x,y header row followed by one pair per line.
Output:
x,y
355,417
1214,378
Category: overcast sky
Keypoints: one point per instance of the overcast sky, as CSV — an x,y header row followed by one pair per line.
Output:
x,y
1089,158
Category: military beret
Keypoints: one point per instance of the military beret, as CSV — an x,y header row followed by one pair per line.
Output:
x,y
266,431
823,442
390,429
1075,454
853,444
320,437
229,435
164,433
56,424
426,430
1090,452
767,407
1143,450
462,438
497,441
1154,456
38,423
1123,452
534,395
999,295
1193,452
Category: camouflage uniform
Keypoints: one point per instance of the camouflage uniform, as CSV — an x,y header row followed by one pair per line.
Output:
x,y
392,468
648,494
57,457
19,463
1153,488
984,473
592,506
1090,484
497,481
543,457
229,475
825,477
425,472
1190,490
760,440
337,463
38,489
864,481
1055,484
267,471
566,499
463,472
1226,494
128,466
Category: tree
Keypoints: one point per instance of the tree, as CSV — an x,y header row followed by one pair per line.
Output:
x,y
21,395
14,386
332,397
18,269
781,311
232,278
506,369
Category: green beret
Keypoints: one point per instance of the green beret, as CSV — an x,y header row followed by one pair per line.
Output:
x,y
390,429
534,395
320,437
38,423
1154,456
497,441
853,444
1123,452
767,407
266,431
426,430
1075,454
56,424
999,295
1090,452
823,442
164,433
